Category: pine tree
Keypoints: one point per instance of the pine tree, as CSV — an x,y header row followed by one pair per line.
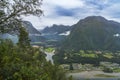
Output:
x,y
24,40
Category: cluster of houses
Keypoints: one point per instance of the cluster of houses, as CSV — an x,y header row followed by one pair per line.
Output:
x,y
76,66
89,67
110,65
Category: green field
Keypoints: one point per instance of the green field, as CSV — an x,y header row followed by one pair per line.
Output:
x,y
49,49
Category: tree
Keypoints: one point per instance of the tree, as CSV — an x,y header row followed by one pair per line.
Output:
x,y
71,67
18,65
12,10
24,40
108,70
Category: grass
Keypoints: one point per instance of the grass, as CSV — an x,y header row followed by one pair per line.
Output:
x,y
49,49
105,75
116,70
89,55
107,55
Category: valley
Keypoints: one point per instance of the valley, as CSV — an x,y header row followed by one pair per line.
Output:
x,y
91,50
59,40
87,50
88,71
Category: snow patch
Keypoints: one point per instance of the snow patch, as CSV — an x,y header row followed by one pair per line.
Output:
x,y
65,33
116,35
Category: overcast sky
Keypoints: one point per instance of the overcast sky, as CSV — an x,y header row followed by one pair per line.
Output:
x,y
69,12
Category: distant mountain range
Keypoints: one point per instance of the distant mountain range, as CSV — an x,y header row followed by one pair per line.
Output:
x,y
56,29
56,32
93,33
30,28
34,34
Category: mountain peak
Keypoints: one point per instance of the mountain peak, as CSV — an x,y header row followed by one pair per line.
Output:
x,y
95,18
94,33
91,19
30,28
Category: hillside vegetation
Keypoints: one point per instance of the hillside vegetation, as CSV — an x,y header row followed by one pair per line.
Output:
x,y
93,33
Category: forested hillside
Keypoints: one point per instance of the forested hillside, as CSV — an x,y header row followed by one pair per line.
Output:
x,y
94,33
91,41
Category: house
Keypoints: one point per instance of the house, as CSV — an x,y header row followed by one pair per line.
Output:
x,y
35,46
65,66
88,67
76,66
109,65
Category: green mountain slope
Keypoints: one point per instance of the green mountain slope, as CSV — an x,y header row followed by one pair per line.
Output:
x,y
94,33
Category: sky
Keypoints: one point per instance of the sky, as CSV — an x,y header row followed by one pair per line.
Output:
x,y
69,12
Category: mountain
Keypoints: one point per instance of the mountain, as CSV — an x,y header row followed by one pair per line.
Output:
x,y
56,29
30,28
34,34
13,37
93,33
56,32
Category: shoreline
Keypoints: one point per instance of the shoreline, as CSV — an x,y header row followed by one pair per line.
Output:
x,y
92,75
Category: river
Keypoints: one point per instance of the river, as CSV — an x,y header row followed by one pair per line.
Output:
x,y
49,56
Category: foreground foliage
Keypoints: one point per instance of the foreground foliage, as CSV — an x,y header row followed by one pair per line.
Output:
x,y
17,63
12,10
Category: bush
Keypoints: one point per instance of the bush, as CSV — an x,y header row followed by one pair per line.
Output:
x,y
28,64
108,70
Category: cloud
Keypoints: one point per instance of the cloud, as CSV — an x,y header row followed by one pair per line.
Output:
x,y
66,20
36,22
98,4
64,12
68,4
68,12
112,11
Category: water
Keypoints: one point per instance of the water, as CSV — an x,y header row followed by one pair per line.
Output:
x,y
49,57
97,79
90,75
